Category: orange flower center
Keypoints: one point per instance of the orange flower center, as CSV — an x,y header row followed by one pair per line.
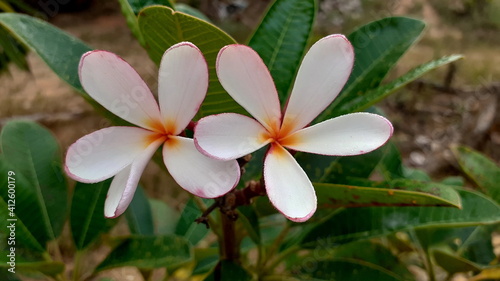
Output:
x,y
160,131
281,136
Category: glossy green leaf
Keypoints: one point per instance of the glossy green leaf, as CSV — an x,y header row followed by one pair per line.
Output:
x,y
281,39
163,27
48,268
7,276
206,259
374,254
131,17
454,181
34,156
228,271
87,213
250,221
11,51
150,252
478,246
480,169
377,221
165,218
404,193
392,162
57,48
367,255
347,269
452,263
377,46
322,168
139,215
138,5
373,96
187,227
469,243
23,236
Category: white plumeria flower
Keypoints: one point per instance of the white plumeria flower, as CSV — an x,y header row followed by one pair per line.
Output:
x,y
321,76
123,152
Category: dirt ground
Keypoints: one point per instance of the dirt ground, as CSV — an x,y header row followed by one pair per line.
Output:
x,y
429,115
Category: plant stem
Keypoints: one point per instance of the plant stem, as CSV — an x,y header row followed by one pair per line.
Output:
x,y
77,265
274,247
424,253
229,248
213,224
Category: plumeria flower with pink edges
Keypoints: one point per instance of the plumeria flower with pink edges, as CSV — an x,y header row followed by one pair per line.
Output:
x,y
123,152
321,76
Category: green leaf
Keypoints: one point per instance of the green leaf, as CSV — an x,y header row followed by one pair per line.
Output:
x,y
454,264
41,194
24,237
480,169
454,181
404,193
471,243
139,215
131,17
165,218
368,255
377,46
348,269
206,259
163,27
57,48
48,268
477,246
392,162
322,168
138,5
374,254
12,50
250,221
378,221
187,227
8,276
371,97
150,252
281,39
228,271
87,213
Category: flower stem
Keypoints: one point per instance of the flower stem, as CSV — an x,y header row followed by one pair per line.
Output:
x,y
229,248
206,215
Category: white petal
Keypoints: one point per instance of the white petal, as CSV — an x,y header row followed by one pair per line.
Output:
x,y
202,176
102,154
246,78
350,134
182,85
321,76
229,136
122,189
114,84
288,186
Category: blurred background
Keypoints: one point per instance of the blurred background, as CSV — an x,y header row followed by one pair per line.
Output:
x,y
457,104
